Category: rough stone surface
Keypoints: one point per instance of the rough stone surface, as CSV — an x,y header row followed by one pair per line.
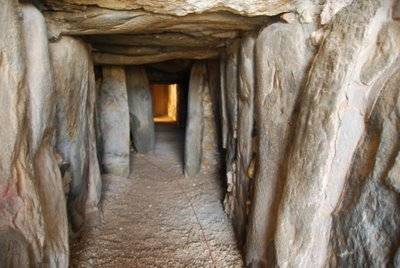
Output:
x,y
365,228
222,101
184,7
114,121
244,136
279,80
126,59
76,139
210,145
140,109
366,225
329,127
33,225
230,95
195,124
41,115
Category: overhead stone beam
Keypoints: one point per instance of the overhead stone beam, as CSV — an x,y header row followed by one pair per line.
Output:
x,y
192,39
115,59
185,7
93,20
149,51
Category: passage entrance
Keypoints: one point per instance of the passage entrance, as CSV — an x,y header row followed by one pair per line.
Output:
x,y
165,102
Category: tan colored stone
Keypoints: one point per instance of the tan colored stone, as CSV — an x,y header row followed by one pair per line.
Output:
x,y
76,140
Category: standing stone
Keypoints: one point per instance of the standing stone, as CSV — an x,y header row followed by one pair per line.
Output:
x,y
223,112
330,125
245,130
76,140
33,226
114,121
367,222
280,67
140,109
41,115
194,126
210,150
231,98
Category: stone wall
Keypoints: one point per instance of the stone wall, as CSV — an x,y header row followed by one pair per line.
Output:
x,y
308,118
324,183
75,135
33,218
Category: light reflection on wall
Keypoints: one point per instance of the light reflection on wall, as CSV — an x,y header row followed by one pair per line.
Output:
x,y
165,102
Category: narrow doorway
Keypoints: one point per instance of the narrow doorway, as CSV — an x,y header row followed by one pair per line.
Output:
x,y
169,102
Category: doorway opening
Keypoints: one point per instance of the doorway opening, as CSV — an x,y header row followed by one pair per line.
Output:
x,y
165,102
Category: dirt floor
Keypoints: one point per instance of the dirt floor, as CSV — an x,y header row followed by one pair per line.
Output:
x,y
159,218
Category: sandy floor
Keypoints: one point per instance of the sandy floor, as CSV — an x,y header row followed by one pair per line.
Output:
x,y
159,218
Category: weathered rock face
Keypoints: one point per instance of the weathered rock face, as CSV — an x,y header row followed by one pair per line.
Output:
x,y
76,139
309,117
244,148
371,207
278,86
201,141
210,141
114,121
329,127
367,221
185,7
140,109
195,125
33,223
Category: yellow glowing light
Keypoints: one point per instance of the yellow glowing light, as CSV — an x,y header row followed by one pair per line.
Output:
x,y
172,103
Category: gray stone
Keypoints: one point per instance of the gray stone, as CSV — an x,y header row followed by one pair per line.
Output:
x,y
244,134
41,115
210,146
223,112
329,126
280,70
140,109
195,124
76,140
366,225
231,103
114,118
33,225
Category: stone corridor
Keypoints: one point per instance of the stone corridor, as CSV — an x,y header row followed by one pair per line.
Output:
x,y
159,218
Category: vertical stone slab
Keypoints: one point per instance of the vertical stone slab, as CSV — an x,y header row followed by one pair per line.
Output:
x,y
114,114
371,208
41,115
210,145
33,226
21,239
194,125
281,61
223,112
75,140
140,109
231,97
330,125
244,133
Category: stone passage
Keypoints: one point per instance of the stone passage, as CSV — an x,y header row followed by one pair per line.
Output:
x,y
159,218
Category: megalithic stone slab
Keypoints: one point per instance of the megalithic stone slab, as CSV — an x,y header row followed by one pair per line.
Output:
x,y
41,115
140,109
279,74
329,127
75,139
244,132
33,226
114,121
194,125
